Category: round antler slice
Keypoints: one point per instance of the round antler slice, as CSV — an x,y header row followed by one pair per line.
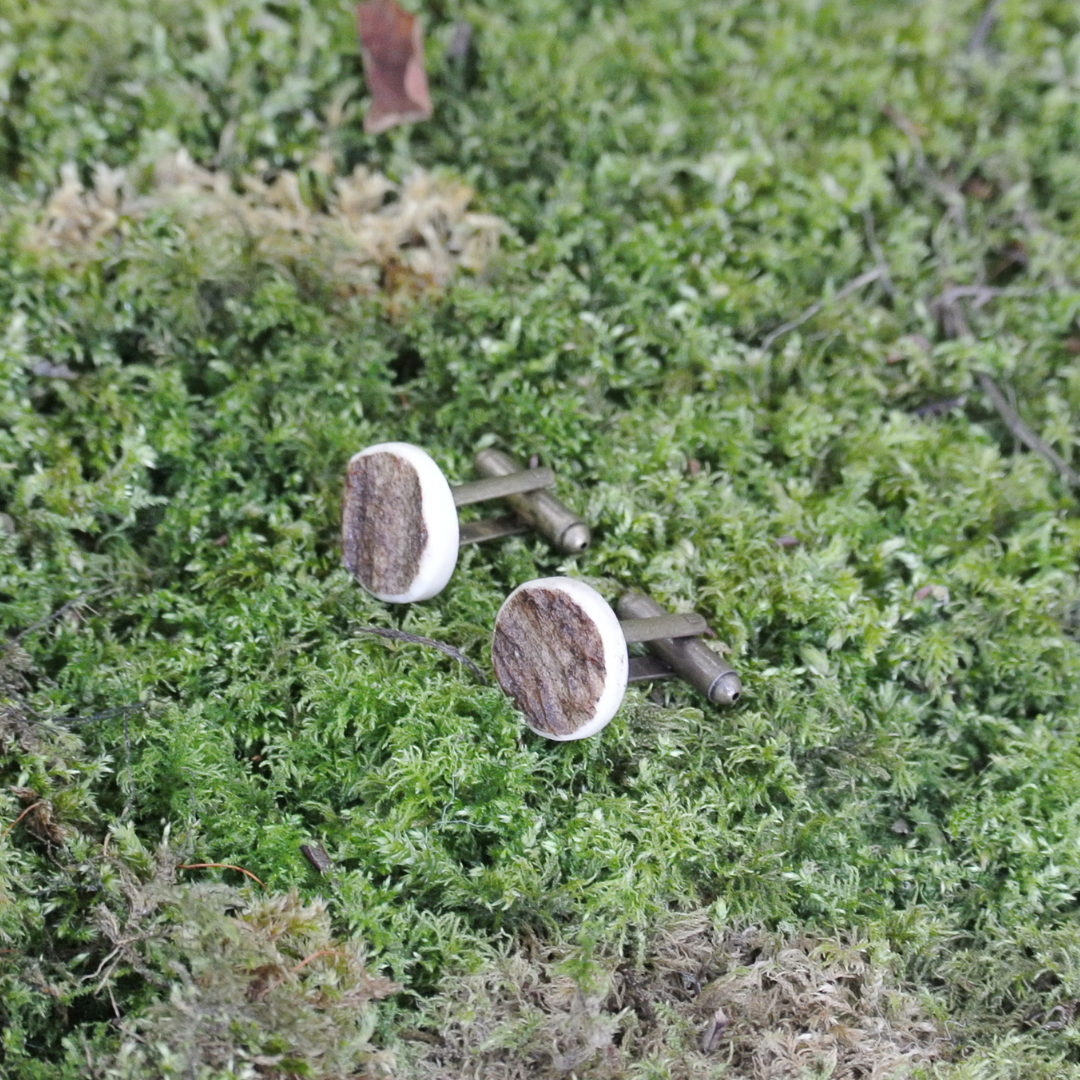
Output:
x,y
559,652
399,525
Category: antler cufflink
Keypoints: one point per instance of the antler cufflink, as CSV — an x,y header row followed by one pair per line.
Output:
x,y
399,528
560,652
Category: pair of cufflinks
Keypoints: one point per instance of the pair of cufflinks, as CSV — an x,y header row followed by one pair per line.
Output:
x,y
558,649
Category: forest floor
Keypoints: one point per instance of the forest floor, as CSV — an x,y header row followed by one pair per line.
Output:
x,y
760,280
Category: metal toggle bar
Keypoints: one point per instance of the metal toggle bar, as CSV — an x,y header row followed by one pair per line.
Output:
x,y
502,487
663,626
540,509
476,532
649,669
690,658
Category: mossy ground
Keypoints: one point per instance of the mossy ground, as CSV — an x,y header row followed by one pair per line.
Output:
x,y
902,775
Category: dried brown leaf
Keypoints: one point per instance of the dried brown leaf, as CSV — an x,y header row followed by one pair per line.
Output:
x,y
461,43
391,43
316,855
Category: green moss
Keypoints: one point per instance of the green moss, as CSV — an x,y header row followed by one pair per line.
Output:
x,y
678,181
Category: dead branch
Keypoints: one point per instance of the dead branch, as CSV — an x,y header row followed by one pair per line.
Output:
x,y
416,639
981,294
949,194
315,955
59,613
946,307
130,801
105,714
977,41
879,256
220,866
1022,432
854,285
910,129
7,831
940,407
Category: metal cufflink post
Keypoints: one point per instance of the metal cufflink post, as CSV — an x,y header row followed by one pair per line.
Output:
x,y
560,652
399,527
535,508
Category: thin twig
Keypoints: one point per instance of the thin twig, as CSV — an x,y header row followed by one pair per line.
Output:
x,y
220,866
879,255
1022,432
940,407
59,613
949,193
954,323
130,779
977,41
416,639
852,286
314,956
951,315
982,294
33,806
909,128
107,714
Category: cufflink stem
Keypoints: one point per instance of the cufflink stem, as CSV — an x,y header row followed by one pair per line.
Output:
x,y
682,654
500,487
653,627
476,532
649,669
538,508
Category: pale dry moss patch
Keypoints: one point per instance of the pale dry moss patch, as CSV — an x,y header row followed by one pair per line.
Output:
x,y
702,1003
235,983
370,234
263,989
